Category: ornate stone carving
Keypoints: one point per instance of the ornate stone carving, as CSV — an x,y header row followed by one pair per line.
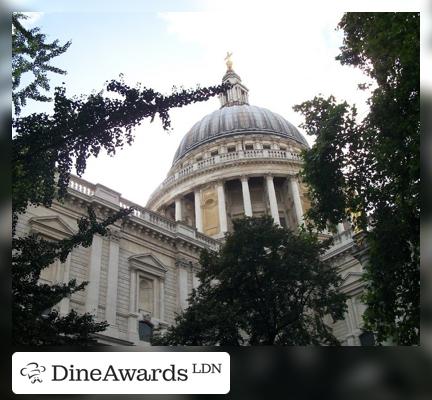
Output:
x,y
184,263
114,235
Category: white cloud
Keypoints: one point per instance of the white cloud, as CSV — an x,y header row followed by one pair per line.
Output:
x,y
284,54
283,57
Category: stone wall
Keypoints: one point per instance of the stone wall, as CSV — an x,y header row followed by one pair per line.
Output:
x,y
168,257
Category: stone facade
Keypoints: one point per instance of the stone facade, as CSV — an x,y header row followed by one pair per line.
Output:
x,y
142,271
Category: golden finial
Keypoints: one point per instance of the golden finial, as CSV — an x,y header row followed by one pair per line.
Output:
x,y
228,60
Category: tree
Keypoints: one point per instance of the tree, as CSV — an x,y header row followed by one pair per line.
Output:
x,y
44,150
265,286
31,53
369,171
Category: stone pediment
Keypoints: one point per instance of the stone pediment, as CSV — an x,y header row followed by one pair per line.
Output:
x,y
51,226
148,263
351,277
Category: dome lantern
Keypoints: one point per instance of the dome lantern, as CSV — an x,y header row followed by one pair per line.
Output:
x,y
238,93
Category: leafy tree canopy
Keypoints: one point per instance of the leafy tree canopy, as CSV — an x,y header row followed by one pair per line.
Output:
x,y
369,171
31,54
266,285
45,148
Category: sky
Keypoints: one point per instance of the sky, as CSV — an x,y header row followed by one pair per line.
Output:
x,y
284,54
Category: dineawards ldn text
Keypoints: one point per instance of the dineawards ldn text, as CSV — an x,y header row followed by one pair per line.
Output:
x,y
113,374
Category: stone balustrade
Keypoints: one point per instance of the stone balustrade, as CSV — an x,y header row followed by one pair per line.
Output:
x,y
144,214
226,158
80,185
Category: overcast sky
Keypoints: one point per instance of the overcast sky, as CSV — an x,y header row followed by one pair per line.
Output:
x,y
284,55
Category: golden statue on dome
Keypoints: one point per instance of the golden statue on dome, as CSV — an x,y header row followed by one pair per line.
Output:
x,y
228,60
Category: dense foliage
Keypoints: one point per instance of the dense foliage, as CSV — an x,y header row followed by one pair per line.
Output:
x,y
265,286
45,148
31,54
369,171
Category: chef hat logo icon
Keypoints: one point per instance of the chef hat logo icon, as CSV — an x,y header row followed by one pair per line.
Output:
x,y
33,371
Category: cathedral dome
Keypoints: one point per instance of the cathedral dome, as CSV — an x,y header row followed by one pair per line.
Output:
x,y
233,120
240,160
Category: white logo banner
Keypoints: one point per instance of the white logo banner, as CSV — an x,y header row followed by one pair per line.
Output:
x,y
120,372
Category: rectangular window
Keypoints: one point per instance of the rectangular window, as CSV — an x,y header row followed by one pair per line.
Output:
x,y
145,330
283,148
249,147
214,153
199,158
146,295
266,146
231,149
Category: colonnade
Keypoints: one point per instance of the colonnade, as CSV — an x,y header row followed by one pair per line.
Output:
x,y
247,204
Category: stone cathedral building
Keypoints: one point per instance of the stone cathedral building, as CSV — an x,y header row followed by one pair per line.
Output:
x,y
239,160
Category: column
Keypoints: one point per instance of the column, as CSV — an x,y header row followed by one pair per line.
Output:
x,y
112,279
182,288
340,228
132,291
92,300
247,205
198,211
132,320
162,300
178,209
64,303
223,222
298,209
272,199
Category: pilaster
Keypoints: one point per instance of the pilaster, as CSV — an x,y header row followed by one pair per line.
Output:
x,y
64,303
112,279
92,299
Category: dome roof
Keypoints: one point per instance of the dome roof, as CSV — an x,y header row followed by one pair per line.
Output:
x,y
234,120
